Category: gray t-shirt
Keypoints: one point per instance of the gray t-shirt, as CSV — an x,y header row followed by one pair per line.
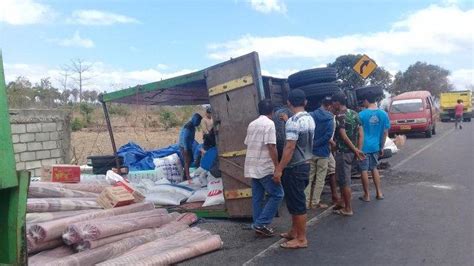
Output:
x,y
300,127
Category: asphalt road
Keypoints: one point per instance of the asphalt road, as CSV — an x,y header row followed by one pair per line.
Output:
x,y
426,217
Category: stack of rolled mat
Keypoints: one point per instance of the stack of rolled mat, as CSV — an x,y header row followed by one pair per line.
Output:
x,y
87,187
58,192
60,204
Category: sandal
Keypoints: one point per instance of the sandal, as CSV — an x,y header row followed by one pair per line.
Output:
x,y
380,197
343,213
287,245
286,236
363,199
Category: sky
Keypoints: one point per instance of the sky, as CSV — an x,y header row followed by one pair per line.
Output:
x,y
130,42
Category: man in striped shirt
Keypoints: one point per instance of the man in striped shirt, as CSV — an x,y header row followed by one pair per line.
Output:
x,y
260,161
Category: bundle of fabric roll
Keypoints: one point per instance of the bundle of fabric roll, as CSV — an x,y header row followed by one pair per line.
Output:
x,y
66,226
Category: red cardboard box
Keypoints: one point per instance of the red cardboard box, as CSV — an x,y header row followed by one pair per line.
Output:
x,y
65,173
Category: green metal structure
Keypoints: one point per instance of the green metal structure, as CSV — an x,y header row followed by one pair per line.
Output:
x,y
13,190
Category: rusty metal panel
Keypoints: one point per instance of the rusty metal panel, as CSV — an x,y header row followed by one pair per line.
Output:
x,y
233,110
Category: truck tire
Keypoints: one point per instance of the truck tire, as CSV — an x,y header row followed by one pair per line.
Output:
x,y
363,91
429,133
320,89
467,119
310,76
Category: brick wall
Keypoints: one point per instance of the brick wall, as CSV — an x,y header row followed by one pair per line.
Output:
x,y
40,137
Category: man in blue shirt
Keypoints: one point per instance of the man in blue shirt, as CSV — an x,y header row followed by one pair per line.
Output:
x,y
323,132
186,140
376,124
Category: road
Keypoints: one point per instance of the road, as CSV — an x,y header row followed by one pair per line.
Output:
x,y
426,217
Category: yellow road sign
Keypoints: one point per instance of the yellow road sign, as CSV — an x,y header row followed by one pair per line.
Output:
x,y
365,66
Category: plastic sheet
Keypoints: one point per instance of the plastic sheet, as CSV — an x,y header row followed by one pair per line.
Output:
x,y
138,159
101,228
61,204
53,229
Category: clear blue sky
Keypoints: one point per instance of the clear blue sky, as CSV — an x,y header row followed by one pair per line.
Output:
x,y
132,42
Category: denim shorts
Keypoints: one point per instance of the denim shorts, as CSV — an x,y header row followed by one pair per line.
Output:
x,y
294,181
370,162
344,162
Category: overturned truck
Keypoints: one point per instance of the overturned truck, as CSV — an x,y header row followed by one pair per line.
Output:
x,y
233,89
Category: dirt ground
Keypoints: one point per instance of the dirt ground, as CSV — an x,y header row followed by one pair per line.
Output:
x,y
89,142
141,125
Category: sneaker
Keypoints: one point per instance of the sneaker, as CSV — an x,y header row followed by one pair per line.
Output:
x,y
263,230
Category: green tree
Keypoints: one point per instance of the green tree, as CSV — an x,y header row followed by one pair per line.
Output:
x,y
352,80
20,93
422,76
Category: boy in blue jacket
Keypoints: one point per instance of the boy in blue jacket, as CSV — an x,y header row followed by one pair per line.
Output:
x,y
323,133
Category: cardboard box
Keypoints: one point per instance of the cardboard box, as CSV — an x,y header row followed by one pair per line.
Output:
x,y
64,173
139,197
112,197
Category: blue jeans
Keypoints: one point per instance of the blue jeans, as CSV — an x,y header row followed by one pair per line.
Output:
x,y
263,215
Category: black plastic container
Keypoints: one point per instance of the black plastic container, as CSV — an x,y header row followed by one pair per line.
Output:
x,y
102,163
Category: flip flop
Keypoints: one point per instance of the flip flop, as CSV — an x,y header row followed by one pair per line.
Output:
x,y
343,213
380,197
363,199
286,236
288,246
337,207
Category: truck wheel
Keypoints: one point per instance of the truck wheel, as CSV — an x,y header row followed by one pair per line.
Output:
x,y
320,89
467,119
310,76
429,133
374,90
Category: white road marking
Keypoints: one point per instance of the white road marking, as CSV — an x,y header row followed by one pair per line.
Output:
x,y
276,245
422,149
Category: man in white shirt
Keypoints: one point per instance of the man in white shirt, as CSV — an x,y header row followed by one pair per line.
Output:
x,y
260,161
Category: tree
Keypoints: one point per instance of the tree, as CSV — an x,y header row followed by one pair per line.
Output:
x,y
20,93
422,76
352,80
80,68
45,94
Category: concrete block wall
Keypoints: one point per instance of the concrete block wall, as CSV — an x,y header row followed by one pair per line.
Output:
x,y
40,137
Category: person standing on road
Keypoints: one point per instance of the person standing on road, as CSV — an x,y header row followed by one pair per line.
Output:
x,y
280,117
319,163
186,139
349,138
458,113
294,167
260,162
376,124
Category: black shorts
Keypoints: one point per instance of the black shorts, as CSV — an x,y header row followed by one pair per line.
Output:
x,y
294,181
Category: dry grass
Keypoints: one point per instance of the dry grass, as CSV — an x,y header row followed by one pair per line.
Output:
x,y
141,126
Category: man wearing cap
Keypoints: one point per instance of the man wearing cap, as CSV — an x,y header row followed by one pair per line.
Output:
x,y
319,163
293,169
207,121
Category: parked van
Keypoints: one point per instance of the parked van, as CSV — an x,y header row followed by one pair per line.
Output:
x,y
413,111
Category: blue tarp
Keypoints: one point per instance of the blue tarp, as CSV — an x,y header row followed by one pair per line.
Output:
x,y
137,159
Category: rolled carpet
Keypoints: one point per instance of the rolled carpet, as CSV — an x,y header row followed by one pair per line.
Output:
x,y
86,187
61,204
58,192
54,229
34,247
96,229
38,217
48,256
112,250
183,252
158,246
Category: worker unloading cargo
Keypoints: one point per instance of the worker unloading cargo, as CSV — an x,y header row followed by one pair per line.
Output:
x,y
186,140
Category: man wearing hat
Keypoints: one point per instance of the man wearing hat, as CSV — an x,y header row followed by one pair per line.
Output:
x,y
324,121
